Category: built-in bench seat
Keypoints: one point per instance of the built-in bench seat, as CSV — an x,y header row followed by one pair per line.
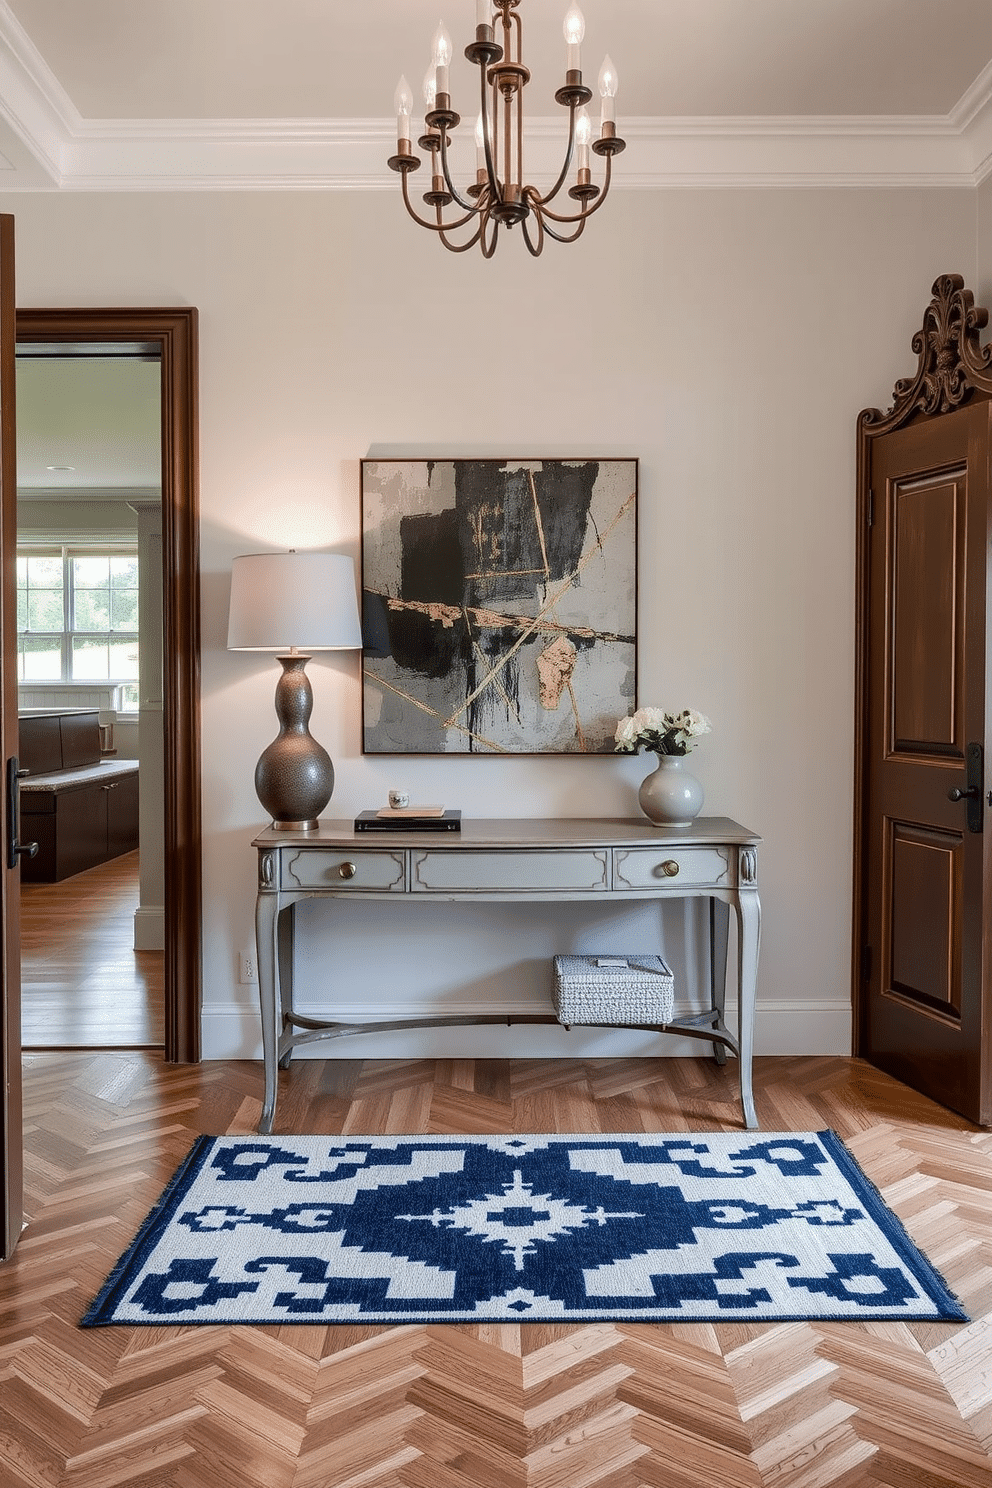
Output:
x,y
80,807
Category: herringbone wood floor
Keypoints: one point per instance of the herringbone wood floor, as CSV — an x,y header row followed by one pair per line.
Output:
x,y
691,1406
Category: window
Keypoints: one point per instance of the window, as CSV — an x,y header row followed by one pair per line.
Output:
x,y
77,614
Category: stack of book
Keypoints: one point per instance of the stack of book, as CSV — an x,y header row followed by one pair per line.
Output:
x,y
409,819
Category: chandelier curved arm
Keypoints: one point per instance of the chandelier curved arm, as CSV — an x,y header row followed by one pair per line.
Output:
x,y
434,226
542,213
488,123
488,249
466,206
461,247
481,214
587,211
534,248
566,237
569,152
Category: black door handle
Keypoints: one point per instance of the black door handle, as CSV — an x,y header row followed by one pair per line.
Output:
x,y
15,848
973,787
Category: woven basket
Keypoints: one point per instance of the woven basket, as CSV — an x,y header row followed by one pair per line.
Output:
x,y
613,989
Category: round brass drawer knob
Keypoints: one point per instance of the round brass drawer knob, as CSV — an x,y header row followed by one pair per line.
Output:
x,y
347,870
669,868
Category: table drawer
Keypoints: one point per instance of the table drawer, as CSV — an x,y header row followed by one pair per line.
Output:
x,y
679,867
468,872
317,868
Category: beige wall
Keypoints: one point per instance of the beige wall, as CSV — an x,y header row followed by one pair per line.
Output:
x,y
726,338
983,281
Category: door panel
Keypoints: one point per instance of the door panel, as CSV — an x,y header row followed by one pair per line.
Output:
x,y
924,1016
11,1177
924,664
925,870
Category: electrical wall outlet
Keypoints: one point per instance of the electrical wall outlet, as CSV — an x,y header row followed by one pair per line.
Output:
x,y
247,968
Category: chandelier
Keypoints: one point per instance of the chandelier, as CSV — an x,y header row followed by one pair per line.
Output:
x,y
499,198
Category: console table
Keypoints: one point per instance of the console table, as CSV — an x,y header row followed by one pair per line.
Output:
x,y
590,859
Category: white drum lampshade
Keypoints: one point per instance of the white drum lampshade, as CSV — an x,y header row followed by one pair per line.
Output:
x,y
294,604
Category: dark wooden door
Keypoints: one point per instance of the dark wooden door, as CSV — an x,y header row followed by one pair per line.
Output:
x,y
11,1185
926,851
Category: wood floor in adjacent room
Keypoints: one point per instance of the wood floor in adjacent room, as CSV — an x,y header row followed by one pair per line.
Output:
x,y
795,1405
83,985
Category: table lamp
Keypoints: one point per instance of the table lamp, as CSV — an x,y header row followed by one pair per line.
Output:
x,y
293,604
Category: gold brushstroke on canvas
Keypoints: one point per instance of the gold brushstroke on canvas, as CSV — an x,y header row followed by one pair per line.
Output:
x,y
432,712
447,615
555,666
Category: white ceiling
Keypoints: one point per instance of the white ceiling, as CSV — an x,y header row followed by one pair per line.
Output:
x,y
314,59
100,418
195,94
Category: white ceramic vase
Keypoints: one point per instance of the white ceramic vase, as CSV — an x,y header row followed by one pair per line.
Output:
x,y
670,796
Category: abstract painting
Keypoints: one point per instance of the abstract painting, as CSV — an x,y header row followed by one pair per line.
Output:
x,y
499,605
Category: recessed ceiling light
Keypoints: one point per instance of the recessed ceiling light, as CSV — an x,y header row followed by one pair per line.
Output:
x,y
60,467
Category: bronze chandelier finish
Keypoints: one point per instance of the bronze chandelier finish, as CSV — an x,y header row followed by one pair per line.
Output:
x,y
499,197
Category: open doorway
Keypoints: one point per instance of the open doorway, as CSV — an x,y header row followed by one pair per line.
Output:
x,y
90,628
171,335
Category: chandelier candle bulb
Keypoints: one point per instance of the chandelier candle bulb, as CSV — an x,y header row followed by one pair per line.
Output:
x,y
583,135
575,30
607,93
441,58
483,13
403,104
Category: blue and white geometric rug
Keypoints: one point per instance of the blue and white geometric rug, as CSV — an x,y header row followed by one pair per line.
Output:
x,y
704,1227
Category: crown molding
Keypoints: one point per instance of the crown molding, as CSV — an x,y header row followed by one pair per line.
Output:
x,y
979,131
973,100
66,494
350,155
33,102
141,155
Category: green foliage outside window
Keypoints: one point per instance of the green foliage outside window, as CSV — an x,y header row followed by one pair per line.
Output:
x,y
77,615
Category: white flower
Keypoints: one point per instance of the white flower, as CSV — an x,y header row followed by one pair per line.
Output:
x,y
664,733
626,733
693,724
649,718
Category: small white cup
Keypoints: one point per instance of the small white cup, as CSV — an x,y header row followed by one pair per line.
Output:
x,y
399,800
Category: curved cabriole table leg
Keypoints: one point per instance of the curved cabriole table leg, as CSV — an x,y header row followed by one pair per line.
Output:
x,y
719,938
266,929
749,933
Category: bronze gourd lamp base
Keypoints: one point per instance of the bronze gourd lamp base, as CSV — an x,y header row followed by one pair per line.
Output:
x,y
294,604
294,777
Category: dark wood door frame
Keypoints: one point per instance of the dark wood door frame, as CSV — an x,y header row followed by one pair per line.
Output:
x,y
174,330
11,1125
954,369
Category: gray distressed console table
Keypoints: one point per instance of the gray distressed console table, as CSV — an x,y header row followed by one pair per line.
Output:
x,y
591,859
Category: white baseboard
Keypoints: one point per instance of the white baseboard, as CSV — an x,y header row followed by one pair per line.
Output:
x,y
149,929
232,1032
